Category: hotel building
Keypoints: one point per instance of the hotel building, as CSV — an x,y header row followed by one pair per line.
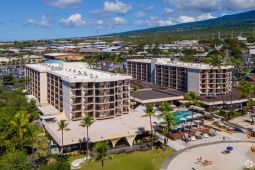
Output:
x,y
203,79
76,90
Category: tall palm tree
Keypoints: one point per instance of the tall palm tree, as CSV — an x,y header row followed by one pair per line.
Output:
x,y
86,122
193,100
167,117
246,90
20,124
62,126
101,150
150,111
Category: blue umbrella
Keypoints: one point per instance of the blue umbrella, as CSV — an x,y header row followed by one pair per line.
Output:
x,y
230,148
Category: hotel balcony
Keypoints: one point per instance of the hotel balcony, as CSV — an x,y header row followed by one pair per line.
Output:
x,y
104,114
76,116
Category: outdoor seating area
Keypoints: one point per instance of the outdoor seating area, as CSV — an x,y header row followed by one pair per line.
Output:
x,y
192,133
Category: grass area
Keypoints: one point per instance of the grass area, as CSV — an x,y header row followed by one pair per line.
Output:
x,y
148,160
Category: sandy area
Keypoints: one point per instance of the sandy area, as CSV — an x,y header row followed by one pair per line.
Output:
x,y
233,161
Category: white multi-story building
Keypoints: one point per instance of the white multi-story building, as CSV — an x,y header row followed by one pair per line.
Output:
x,y
202,79
76,90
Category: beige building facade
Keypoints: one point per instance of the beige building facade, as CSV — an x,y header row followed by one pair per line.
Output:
x,y
76,90
203,79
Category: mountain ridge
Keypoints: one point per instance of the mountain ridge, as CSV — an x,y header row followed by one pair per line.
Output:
x,y
244,19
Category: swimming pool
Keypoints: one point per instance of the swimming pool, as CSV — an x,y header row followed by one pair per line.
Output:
x,y
182,114
54,61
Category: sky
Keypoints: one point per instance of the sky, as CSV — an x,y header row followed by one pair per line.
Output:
x,y
49,19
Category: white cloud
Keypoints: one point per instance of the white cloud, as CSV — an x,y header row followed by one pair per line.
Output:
x,y
184,19
74,20
64,3
195,5
168,10
150,8
44,22
116,7
30,22
239,4
205,17
118,21
140,14
165,22
154,21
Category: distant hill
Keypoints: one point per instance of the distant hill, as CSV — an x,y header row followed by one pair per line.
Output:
x,y
245,20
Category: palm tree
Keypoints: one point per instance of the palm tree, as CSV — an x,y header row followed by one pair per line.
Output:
x,y
91,63
101,150
62,126
135,89
167,116
216,61
193,100
150,111
246,90
20,124
86,122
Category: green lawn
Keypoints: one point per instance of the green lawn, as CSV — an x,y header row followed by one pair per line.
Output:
x,y
149,160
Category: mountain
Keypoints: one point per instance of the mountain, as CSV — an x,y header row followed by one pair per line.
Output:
x,y
245,20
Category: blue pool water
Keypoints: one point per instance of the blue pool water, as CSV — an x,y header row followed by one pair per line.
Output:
x,y
182,114
53,61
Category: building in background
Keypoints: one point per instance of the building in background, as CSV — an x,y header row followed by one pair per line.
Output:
x,y
64,56
202,79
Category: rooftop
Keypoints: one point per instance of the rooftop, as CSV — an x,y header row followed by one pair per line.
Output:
x,y
146,96
168,62
102,130
77,72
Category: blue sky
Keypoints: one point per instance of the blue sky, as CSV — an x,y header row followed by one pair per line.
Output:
x,y
46,19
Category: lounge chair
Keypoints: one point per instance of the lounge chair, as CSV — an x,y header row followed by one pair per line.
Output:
x,y
205,135
186,137
193,138
212,132
198,135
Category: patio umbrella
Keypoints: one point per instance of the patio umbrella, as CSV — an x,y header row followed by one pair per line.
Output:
x,y
230,148
249,164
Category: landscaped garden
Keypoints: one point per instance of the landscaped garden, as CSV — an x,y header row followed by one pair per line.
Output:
x,y
149,160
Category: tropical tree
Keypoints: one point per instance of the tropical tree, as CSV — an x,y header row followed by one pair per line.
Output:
x,y
32,134
62,126
101,150
20,124
247,90
192,100
150,112
41,148
216,61
15,160
135,89
86,122
91,63
167,117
